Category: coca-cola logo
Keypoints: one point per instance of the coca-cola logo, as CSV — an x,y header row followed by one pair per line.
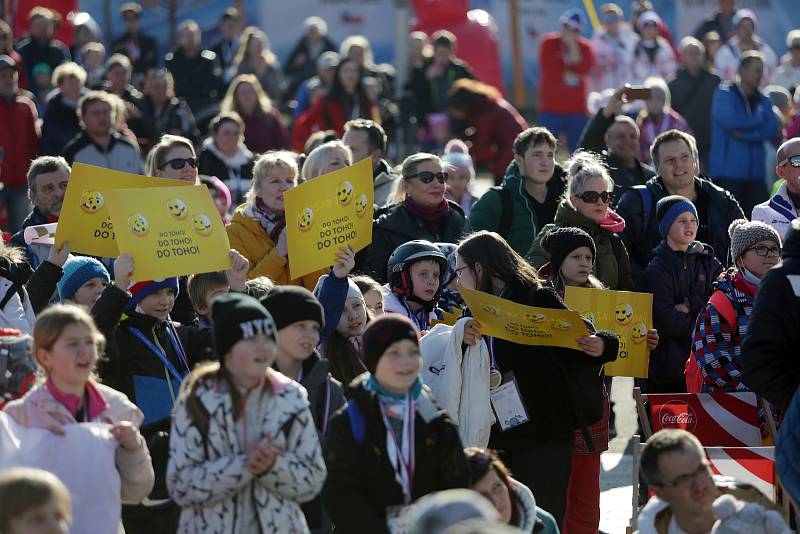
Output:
x,y
676,414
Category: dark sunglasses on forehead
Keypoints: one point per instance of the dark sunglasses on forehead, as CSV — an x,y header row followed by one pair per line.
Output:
x,y
591,197
179,163
427,177
794,161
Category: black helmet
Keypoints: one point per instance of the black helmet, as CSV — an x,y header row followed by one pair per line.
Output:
x,y
400,261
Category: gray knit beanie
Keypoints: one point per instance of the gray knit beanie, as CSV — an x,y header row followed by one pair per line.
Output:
x,y
745,234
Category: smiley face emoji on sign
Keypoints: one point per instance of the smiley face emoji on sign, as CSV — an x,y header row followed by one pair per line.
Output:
x,y
639,333
177,208
305,219
138,224
91,201
344,192
535,317
623,313
491,309
560,325
202,224
361,205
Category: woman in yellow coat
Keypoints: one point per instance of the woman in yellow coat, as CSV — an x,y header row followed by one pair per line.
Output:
x,y
258,228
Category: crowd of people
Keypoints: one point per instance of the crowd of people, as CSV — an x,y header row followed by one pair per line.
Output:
x,y
246,400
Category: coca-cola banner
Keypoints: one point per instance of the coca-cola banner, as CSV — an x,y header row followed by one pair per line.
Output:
x,y
718,419
752,465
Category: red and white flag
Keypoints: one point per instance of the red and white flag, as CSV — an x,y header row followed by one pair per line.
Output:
x,y
752,465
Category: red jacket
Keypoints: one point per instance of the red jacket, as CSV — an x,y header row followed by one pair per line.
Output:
x,y
555,95
496,127
19,138
325,114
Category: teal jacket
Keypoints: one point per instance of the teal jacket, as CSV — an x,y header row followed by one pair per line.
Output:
x,y
486,214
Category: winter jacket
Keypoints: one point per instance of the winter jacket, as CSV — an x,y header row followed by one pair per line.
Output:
x,y
611,263
120,154
385,180
556,93
496,126
39,409
235,172
778,212
787,450
663,64
35,253
459,380
148,51
131,367
732,115
331,292
727,59
430,96
174,118
567,381
53,53
328,114
251,240
206,473
532,519
42,285
770,362
361,481
487,212
393,304
692,97
59,124
677,277
198,79
717,344
394,225
263,133
652,126
613,59
641,233
18,311
19,138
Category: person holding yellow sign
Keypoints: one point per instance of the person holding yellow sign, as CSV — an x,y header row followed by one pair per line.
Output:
x,y
553,390
258,228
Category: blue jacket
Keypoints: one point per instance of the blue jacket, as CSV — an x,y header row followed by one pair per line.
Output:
x,y
731,113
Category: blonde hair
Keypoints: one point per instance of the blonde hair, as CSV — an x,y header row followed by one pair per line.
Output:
x,y
582,167
250,33
265,165
157,155
25,488
231,103
317,160
11,253
54,320
409,168
65,70
361,42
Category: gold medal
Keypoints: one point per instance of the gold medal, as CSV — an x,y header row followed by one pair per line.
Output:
x,y
495,378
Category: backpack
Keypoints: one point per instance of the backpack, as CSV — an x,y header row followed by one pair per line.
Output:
x,y
358,425
506,210
694,376
647,206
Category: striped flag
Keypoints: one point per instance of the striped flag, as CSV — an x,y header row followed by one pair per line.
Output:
x,y
752,465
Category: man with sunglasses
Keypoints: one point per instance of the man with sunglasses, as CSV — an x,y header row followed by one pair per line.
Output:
x,y
784,206
674,466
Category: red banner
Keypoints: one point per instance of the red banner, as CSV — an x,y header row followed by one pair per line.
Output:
x,y
753,465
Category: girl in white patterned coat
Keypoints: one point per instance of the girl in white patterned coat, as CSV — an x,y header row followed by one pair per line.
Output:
x,y
244,452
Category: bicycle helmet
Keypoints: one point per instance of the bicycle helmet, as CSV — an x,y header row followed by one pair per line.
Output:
x,y
399,266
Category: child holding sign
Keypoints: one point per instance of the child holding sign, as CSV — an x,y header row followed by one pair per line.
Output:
x,y
554,394
392,444
572,255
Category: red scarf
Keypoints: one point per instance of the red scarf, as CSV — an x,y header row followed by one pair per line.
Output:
x,y
612,222
272,222
432,217
95,405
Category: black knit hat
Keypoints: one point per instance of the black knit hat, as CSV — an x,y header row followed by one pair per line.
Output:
x,y
290,304
236,316
560,242
384,331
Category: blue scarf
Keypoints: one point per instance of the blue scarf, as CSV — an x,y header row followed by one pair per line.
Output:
x,y
373,385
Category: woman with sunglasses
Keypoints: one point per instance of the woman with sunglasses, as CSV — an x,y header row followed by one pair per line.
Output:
x,y
557,388
722,323
514,501
421,211
173,157
587,205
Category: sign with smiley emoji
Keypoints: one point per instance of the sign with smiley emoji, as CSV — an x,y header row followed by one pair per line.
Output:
x,y
171,231
327,213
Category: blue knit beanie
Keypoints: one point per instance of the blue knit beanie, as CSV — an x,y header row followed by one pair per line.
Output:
x,y
140,290
669,208
78,271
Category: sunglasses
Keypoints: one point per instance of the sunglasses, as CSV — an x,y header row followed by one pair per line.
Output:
x,y
591,197
794,161
763,251
427,177
179,163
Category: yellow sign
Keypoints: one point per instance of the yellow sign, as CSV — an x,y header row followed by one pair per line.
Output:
x,y
326,213
449,318
629,315
84,220
169,231
524,324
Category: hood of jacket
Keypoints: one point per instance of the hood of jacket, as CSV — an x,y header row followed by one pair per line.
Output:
x,y
526,506
315,371
243,155
695,249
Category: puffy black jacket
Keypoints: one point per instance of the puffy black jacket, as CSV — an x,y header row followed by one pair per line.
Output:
x,y
677,278
770,354
198,79
175,118
361,481
59,125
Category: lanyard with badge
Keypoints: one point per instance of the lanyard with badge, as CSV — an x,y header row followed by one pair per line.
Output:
x,y
421,318
401,455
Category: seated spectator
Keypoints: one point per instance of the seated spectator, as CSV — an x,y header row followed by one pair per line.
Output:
x,y
224,155
60,123
264,126
40,46
657,117
788,72
94,59
530,193
357,48
119,72
99,142
720,21
494,121
730,54
302,60
327,157
140,48
462,172
613,45
198,78
639,8
653,55
315,87
220,194
255,57
784,206
85,30
366,139
230,25
41,85
7,48
162,112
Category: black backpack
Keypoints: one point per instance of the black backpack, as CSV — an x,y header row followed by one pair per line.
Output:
x,y
506,210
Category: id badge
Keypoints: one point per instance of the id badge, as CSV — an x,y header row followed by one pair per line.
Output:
x,y
397,519
507,403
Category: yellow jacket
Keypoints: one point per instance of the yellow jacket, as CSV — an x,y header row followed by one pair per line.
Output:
x,y
251,240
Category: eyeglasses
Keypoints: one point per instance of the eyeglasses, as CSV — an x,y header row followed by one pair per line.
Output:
x,y
591,197
794,161
762,250
179,163
427,177
458,271
684,481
